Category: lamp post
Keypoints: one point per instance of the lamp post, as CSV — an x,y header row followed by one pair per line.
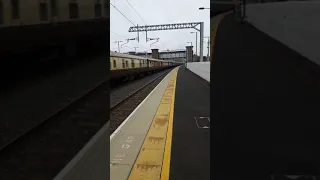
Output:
x,y
208,47
192,50
196,42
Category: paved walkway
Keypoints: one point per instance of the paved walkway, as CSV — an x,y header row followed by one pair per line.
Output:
x,y
190,155
265,105
202,69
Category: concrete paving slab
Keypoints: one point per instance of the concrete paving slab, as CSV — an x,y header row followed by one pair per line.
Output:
x,y
150,169
125,149
120,171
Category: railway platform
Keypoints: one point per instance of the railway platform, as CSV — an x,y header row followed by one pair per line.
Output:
x,y
166,136
265,106
168,133
202,69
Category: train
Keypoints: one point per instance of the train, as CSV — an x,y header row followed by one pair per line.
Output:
x,y
126,65
65,26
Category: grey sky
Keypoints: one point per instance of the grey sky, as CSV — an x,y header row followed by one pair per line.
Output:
x,y
158,12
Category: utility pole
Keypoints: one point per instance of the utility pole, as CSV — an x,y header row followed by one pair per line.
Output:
x,y
135,49
118,45
187,59
201,41
138,32
208,49
196,41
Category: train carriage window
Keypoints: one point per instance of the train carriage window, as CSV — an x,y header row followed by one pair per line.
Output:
x,y
43,11
97,8
140,63
114,64
1,13
127,65
15,9
73,10
123,63
132,63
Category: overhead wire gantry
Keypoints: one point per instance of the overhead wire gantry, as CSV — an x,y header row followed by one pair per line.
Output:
x,y
175,26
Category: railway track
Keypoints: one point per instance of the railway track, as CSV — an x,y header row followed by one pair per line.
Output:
x,y
119,95
124,107
41,151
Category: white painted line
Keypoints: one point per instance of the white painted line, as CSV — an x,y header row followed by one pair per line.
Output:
x,y
196,122
204,127
127,119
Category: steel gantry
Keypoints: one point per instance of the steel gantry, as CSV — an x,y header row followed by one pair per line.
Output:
x,y
162,27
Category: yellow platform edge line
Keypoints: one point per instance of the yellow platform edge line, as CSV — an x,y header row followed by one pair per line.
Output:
x,y
165,171
135,174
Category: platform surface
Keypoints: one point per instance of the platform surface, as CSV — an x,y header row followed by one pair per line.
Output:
x,y
137,147
151,144
166,136
293,23
265,106
190,155
202,69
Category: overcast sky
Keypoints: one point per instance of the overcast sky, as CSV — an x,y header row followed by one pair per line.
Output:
x,y
158,12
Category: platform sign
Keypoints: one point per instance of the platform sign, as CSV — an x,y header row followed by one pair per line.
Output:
x,y
202,122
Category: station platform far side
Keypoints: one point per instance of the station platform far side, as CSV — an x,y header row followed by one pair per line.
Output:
x,y
202,69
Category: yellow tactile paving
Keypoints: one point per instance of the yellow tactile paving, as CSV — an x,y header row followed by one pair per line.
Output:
x,y
165,171
153,161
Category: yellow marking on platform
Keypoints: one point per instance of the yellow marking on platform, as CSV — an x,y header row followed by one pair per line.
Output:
x,y
164,109
165,173
166,100
153,161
